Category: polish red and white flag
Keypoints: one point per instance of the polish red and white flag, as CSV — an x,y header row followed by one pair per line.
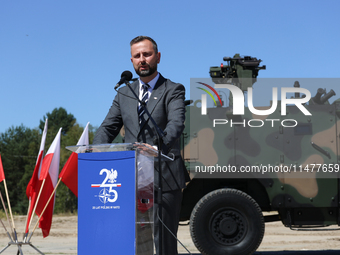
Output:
x,y
49,172
34,184
69,174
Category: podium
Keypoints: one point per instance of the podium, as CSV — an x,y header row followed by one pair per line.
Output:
x,y
115,199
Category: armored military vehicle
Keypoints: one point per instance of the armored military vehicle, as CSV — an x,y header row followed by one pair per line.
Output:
x,y
282,158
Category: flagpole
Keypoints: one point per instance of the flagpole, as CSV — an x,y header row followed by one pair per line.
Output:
x,y
9,206
36,203
6,230
26,221
10,210
35,226
3,203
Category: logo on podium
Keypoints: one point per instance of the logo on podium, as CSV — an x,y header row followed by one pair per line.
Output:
x,y
107,194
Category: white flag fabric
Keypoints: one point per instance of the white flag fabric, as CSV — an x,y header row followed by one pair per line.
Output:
x,y
84,138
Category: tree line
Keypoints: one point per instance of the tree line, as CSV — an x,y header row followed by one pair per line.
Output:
x,y
19,147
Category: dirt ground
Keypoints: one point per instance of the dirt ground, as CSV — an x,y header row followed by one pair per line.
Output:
x,y
277,239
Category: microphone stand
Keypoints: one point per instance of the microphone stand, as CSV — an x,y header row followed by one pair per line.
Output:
x,y
161,140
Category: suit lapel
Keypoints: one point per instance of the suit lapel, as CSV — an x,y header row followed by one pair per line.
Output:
x,y
156,95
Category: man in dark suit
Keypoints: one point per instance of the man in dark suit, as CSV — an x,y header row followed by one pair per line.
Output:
x,y
165,102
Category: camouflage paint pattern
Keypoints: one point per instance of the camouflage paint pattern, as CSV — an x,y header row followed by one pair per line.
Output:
x,y
314,140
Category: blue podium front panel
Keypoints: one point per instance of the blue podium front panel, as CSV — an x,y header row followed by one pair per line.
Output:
x,y
107,203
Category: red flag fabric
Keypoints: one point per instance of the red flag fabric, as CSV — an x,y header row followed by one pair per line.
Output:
x,y
34,178
2,173
34,184
32,189
49,173
69,174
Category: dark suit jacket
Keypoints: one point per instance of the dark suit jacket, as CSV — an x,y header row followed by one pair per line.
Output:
x,y
166,106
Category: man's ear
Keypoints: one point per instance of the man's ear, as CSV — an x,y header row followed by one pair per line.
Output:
x,y
158,57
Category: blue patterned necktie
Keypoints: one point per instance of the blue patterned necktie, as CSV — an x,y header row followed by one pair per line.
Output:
x,y
145,97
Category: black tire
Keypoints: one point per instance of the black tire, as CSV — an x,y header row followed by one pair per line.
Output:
x,y
227,221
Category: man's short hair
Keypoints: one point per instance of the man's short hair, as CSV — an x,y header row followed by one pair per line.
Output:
x,y
142,38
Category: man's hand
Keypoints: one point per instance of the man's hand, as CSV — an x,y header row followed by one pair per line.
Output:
x,y
146,149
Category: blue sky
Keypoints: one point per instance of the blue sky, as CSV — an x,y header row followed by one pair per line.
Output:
x,y
71,53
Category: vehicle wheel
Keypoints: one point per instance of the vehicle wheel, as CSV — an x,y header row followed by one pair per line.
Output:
x,y
227,221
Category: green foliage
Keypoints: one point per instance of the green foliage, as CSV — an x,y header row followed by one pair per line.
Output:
x,y
19,147
56,119
65,201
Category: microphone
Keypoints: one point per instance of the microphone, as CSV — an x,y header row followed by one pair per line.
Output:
x,y
126,76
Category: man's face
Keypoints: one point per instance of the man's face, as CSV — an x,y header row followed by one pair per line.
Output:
x,y
144,58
